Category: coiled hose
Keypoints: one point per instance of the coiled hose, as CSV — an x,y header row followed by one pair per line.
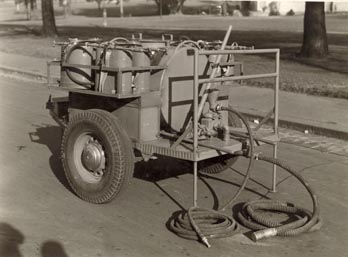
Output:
x,y
201,224
306,221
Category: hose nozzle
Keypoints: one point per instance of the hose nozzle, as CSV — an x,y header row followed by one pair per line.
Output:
x,y
205,241
265,233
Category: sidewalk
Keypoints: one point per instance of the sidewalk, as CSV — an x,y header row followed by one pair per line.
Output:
x,y
318,115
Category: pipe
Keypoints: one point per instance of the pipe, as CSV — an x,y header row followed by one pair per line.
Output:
x,y
213,73
250,153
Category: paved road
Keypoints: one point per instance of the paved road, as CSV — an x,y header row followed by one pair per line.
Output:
x,y
39,216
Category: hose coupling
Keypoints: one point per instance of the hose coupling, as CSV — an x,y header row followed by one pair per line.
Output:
x,y
265,233
218,108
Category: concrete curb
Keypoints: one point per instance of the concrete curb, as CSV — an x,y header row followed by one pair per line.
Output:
x,y
312,129
27,74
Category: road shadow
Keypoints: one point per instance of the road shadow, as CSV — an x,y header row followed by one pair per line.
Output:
x,y
161,168
114,11
167,167
50,136
52,248
10,241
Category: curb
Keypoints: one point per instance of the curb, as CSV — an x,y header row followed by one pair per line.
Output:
x,y
312,129
27,74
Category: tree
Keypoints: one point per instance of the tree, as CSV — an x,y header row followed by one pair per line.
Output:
x,y
99,2
49,28
170,6
314,43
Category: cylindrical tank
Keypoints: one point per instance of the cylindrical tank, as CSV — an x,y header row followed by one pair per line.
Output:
x,y
142,78
81,78
176,86
120,59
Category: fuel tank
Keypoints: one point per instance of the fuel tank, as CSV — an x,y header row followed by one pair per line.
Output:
x,y
176,86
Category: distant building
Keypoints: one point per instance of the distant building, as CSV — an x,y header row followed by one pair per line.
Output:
x,y
298,7
282,7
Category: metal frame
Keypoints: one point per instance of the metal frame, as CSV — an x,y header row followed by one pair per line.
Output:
x,y
198,109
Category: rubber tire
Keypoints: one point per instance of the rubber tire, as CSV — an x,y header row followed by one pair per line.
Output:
x,y
118,151
217,164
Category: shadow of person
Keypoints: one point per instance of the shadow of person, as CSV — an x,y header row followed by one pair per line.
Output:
x,y
10,239
52,249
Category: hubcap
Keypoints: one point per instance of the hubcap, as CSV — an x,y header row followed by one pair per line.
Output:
x,y
89,158
93,156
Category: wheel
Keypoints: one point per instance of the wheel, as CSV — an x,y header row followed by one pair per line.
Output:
x,y
97,156
217,164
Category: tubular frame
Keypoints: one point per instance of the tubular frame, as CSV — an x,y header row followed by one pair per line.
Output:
x,y
197,109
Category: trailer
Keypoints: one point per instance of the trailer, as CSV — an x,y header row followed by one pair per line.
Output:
x,y
133,99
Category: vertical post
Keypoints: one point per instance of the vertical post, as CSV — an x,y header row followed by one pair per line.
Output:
x,y
119,87
161,12
276,116
48,73
276,93
97,72
121,8
105,17
65,4
195,124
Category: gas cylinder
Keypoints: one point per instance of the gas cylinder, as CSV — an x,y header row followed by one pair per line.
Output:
x,y
120,58
75,77
142,78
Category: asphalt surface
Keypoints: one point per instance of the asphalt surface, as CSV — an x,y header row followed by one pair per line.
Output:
x,y
39,216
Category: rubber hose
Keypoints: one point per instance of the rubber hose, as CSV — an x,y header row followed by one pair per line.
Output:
x,y
306,220
250,153
201,224
68,72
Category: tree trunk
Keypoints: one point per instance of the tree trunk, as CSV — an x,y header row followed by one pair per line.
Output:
x,y
49,28
180,7
33,5
314,43
99,4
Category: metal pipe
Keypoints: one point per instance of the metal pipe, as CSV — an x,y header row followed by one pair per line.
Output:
x,y
195,124
254,76
276,92
276,116
251,51
274,174
213,73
